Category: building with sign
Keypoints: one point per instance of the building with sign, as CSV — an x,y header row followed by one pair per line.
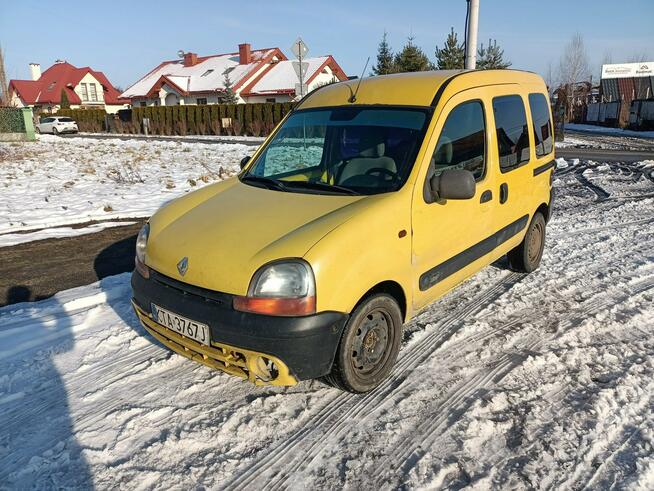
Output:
x,y
627,81
253,75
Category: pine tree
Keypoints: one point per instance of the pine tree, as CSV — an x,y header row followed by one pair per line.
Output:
x,y
64,103
452,56
230,96
412,58
385,63
491,57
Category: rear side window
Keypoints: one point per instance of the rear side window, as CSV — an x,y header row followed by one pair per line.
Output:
x,y
512,131
540,114
461,144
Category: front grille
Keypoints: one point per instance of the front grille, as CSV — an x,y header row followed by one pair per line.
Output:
x,y
222,299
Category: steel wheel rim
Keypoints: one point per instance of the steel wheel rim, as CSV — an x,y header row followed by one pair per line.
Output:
x,y
534,245
371,341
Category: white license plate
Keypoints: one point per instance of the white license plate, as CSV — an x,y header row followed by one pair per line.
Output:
x,y
181,325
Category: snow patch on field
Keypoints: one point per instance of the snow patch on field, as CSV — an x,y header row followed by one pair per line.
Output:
x,y
57,233
62,181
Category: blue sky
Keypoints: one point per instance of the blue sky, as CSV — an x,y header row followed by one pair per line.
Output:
x,y
125,39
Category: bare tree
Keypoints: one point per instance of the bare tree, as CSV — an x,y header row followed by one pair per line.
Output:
x,y
4,95
640,57
551,78
573,67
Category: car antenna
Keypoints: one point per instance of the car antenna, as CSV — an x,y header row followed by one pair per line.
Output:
x,y
353,97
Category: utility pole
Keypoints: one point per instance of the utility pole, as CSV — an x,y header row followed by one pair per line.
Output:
x,y
471,35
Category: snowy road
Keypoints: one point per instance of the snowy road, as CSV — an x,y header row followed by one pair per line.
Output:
x,y
537,381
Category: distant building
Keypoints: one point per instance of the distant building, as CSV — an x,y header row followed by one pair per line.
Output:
x,y
262,75
627,81
84,88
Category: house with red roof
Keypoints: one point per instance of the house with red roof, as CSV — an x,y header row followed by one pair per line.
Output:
x,y
259,75
84,88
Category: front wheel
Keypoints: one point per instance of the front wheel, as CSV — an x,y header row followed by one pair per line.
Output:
x,y
55,131
526,257
369,345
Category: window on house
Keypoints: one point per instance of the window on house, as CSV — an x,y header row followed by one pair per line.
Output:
x,y
462,142
208,72
85,92
94,92
540,114
143,103
271,99
512,131
201,101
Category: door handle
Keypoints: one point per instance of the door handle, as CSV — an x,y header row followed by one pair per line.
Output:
x,y
504,192
486,196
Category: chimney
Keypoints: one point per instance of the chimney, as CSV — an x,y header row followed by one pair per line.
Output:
x,y
244,54
190,59
35,71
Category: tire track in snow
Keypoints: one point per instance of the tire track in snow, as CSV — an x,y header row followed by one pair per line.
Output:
x,y
346,406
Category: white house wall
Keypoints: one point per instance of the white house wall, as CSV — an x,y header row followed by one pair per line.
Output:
x,y
89,79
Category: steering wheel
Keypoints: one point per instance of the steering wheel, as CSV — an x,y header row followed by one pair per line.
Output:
x,y
381,170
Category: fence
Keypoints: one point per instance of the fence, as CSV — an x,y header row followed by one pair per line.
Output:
x,y
216,119
16,124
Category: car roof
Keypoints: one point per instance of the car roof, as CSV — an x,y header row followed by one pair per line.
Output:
x,y
415,88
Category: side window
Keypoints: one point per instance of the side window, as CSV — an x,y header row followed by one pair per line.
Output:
x,y
540,114
461,144
512,131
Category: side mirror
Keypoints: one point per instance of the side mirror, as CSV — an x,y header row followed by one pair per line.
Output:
x,y
244,161
453,184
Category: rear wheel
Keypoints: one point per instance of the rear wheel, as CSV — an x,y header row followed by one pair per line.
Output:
x,y
526,257
369,345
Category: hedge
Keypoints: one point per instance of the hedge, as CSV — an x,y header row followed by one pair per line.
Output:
x,y
11,120
246,119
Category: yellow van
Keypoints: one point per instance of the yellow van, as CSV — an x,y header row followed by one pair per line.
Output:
x,y
366,204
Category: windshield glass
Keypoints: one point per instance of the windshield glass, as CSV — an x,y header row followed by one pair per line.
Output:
x,y
353,150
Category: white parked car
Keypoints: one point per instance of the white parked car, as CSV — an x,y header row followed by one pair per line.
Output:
x,y
57,125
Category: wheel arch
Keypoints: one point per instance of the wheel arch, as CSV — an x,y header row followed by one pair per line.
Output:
x,y
389,287
544,209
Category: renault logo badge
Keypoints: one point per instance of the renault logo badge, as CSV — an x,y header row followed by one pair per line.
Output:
x,y
182,266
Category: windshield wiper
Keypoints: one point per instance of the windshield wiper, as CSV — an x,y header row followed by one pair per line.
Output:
x,y
265,181
321,186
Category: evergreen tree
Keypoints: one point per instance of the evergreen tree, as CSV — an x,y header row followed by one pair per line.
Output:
x,y
230,96
491,57
412,58
64,103
385,63
452,56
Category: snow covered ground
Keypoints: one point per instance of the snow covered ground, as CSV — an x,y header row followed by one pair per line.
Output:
x,y
606,141
63,181
510,381
608,131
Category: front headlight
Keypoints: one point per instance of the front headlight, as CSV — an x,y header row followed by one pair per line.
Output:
x,y
141,243
285,288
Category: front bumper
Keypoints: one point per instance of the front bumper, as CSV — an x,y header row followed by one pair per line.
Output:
x,y
301,348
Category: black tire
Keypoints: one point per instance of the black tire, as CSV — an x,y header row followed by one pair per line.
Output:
x,y
38,130
526,257
369,345
55,131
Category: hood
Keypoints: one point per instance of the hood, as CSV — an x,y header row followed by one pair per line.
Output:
x,y
230,229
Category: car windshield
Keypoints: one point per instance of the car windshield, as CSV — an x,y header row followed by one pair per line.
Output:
x,y
342,150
